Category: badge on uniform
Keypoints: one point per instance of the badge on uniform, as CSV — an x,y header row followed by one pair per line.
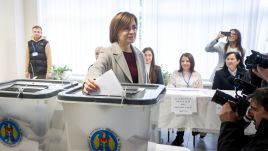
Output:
x,y
104,139
10,132
35,54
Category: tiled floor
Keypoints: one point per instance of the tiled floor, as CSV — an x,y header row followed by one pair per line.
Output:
x,y
208,143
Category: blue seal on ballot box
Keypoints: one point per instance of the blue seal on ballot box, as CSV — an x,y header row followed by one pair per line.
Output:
x,y
104,139
10,132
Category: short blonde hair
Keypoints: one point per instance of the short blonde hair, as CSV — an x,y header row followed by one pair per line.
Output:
x,y
37,27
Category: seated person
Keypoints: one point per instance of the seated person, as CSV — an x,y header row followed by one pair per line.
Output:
x,y
232,137
153,70
186,77
231,69
97,52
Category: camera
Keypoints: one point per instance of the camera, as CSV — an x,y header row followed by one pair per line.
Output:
x,y
255,59
238,103
226,33
246,87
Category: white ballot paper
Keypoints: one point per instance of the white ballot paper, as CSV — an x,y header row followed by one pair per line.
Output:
x,y
109,85
183,105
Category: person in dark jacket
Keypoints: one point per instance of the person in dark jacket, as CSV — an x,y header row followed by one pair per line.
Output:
x,y
38,61
153,70
263,74
231,69
232,137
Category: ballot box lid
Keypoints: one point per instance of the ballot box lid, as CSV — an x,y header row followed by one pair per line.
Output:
x,y
136,94
33,88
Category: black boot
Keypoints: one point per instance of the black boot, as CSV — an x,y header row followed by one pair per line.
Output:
x,y
179,139
195,133
202,135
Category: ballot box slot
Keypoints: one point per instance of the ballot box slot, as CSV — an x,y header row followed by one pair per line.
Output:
x,y
24,88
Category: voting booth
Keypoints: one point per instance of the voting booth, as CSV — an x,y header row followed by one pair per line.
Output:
x,y
111,123
30,116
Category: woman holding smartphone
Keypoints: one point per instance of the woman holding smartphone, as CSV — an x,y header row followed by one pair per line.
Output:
x,y
233,44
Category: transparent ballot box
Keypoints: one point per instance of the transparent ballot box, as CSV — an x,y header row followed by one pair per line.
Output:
x,y
31,117
100,122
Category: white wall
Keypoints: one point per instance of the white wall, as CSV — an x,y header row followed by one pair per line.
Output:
x,y
30,17
7,39
16,16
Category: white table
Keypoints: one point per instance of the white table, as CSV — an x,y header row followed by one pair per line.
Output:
x,y
206,119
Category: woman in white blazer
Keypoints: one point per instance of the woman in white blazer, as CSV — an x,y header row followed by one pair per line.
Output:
x,y
122,57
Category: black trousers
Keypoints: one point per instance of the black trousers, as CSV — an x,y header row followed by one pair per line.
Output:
x,y
38,75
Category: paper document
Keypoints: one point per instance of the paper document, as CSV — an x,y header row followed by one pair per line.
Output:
x,y
109,85
183,105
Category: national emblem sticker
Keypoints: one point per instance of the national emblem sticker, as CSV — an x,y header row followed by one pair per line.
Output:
x,y
10,132
104,140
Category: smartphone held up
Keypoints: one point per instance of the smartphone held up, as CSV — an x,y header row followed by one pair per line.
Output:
x,y
226,33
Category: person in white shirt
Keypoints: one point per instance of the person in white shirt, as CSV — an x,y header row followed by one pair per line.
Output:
x,y
185,77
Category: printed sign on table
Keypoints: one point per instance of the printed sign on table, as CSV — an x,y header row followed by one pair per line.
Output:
x,y
183,105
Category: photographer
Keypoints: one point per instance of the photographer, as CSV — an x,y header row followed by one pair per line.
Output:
x,y
232,137
258,64
262,73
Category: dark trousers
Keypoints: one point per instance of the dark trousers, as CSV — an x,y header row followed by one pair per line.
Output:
x,y
38,75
